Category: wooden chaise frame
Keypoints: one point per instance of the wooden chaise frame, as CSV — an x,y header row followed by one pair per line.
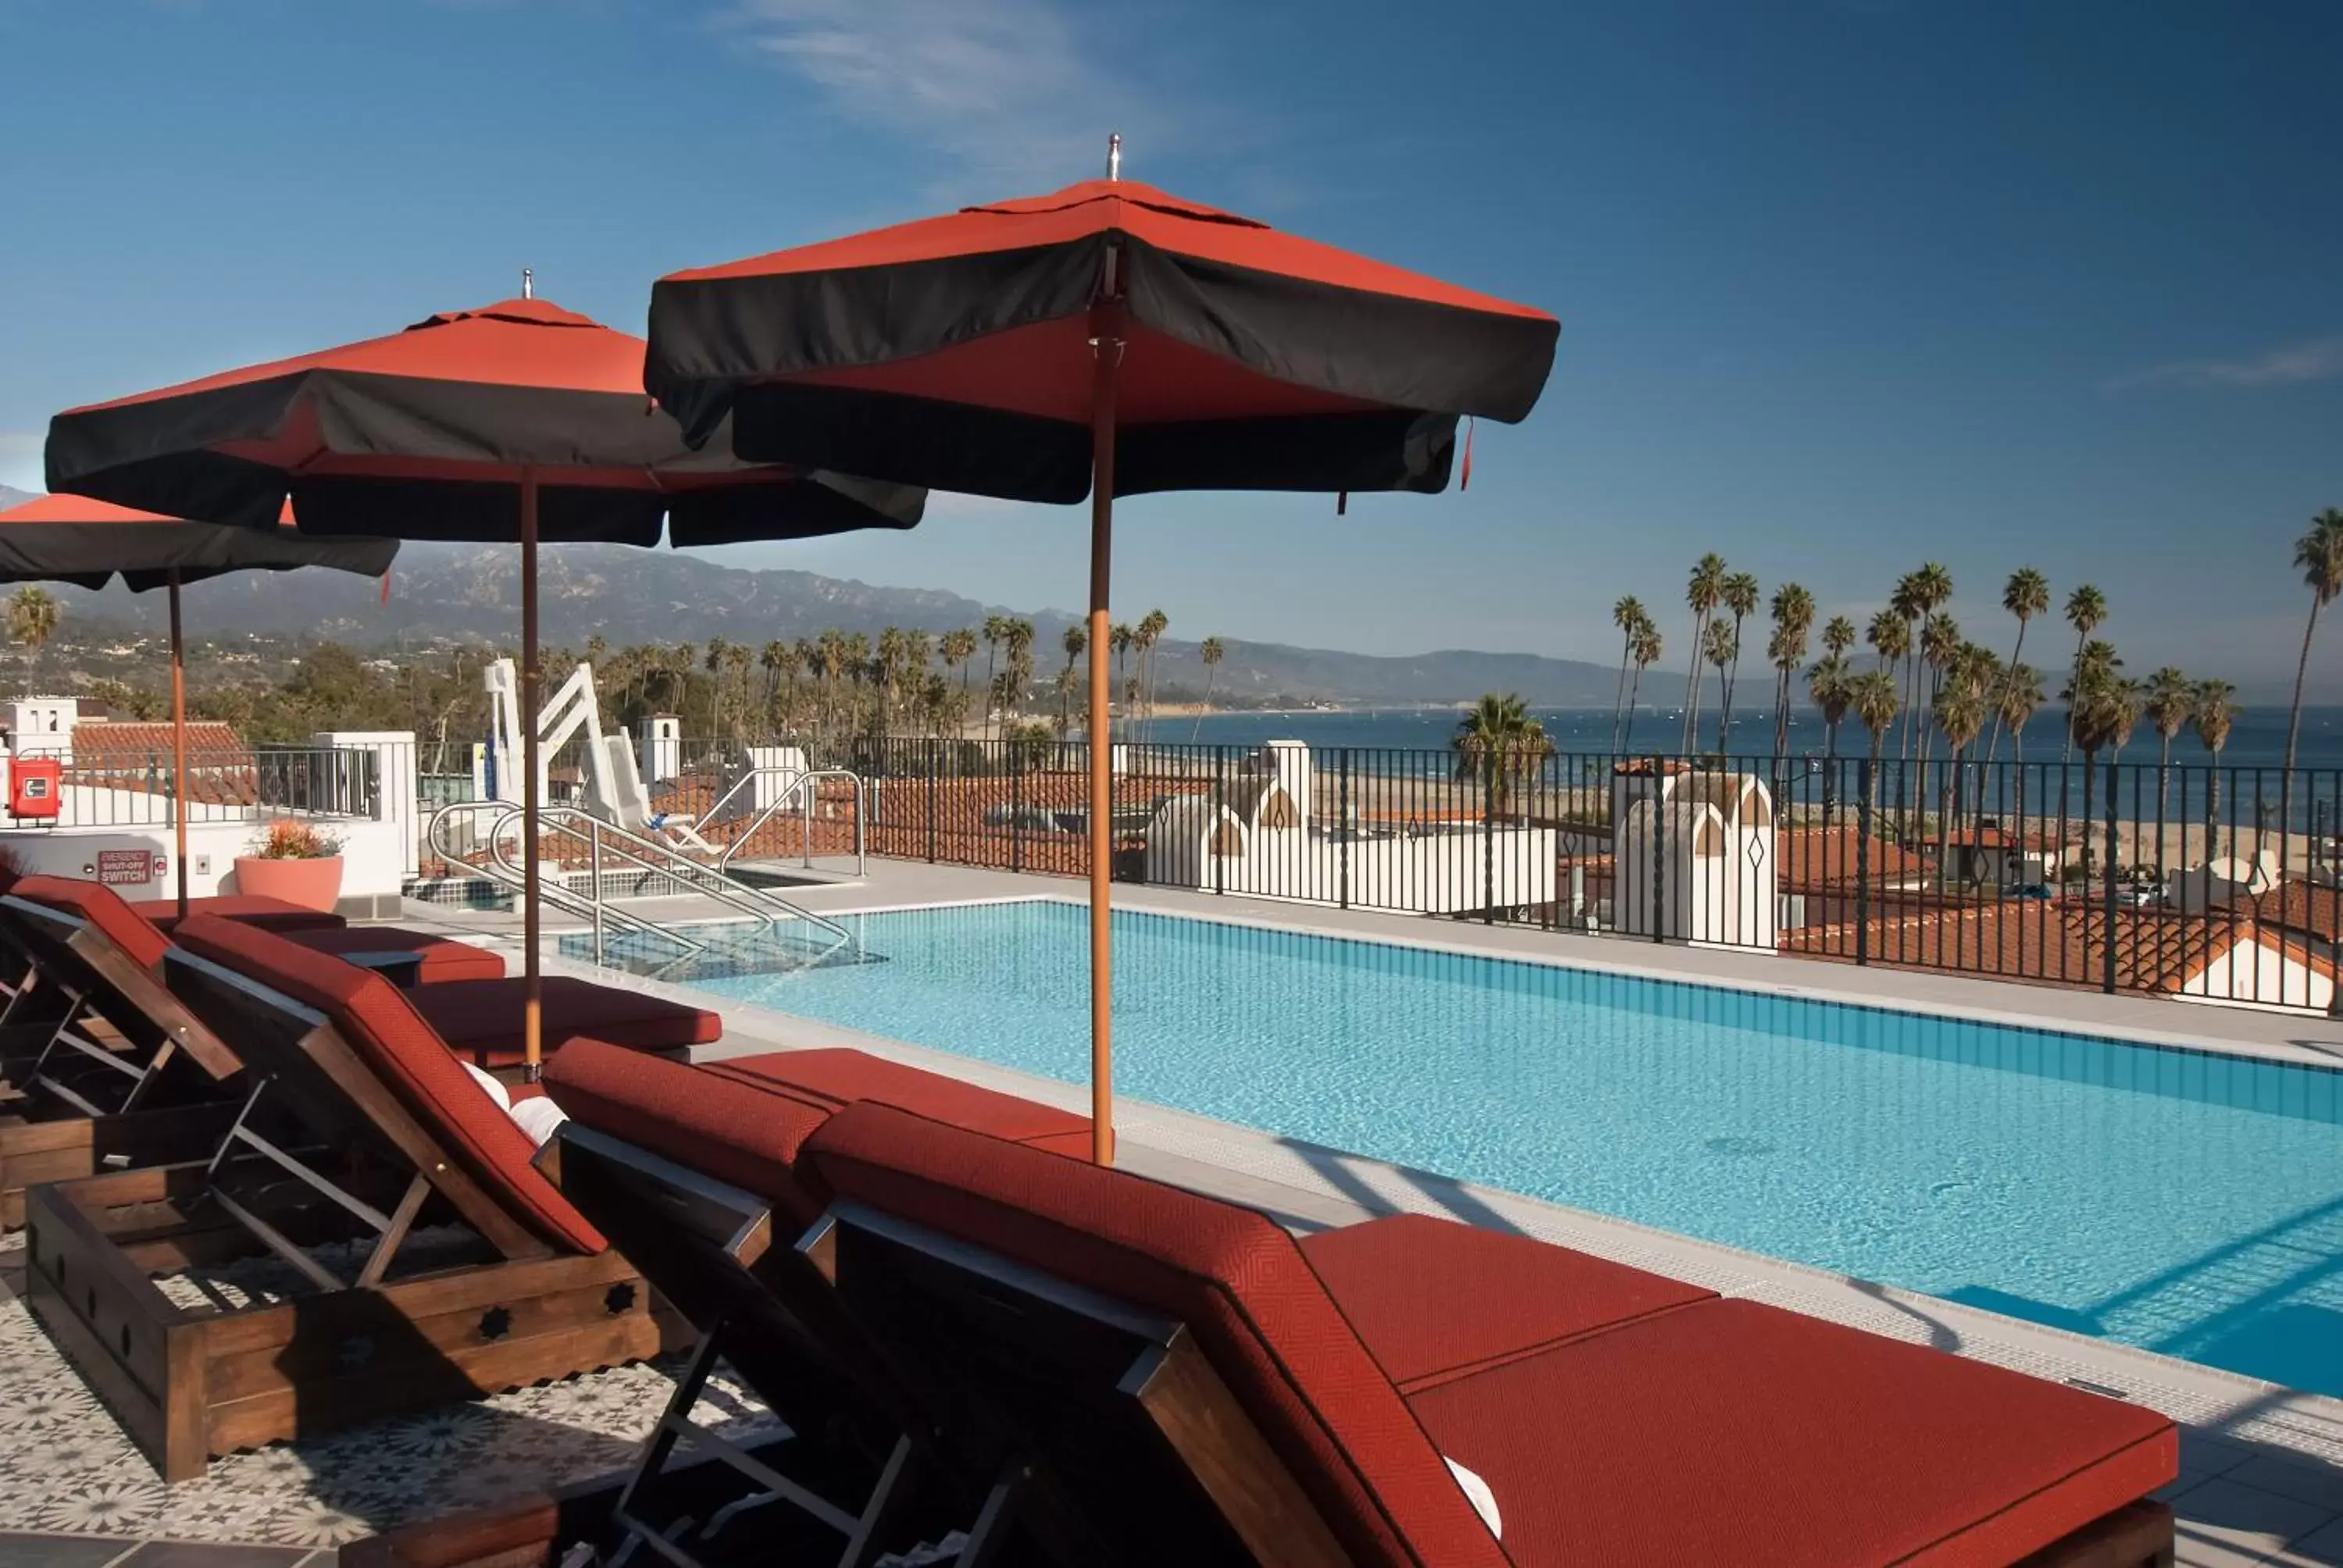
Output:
x,y
709,1248
1106,1415
320,1148
88,1039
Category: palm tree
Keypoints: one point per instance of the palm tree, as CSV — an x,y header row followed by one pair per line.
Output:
x,y
2171,699
1829,683
1723,648
2213,717
1209,651
996,632
1018,638
2021,695
958,649
2086,608
715,668
2319,556
1839,637
1794,618
1627,615
1918,598
1873,696
1497,744
1152,626
737,659
1648,650
776,657
1940,645
1740,594
1076,641
1891,637
1960,713
1119,640
1704,588
2025,595
34,614
2102,712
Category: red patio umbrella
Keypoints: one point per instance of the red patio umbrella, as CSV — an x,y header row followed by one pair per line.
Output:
x,y
1109,338
85,542
517,421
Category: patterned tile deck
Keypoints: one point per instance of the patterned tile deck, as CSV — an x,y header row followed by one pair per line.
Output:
x,y
68,1470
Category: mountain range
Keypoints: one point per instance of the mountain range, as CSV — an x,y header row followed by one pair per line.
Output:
x,y
442,593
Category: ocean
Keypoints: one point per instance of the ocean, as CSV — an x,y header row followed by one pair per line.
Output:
x,y
2256,740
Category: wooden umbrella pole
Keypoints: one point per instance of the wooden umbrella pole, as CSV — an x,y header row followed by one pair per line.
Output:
x,y
178,745
1106,324
531,680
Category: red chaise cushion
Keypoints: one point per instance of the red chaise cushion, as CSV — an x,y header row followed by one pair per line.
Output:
x,y
250,908
840,1076
737,1129
380,1025
1231,1275
100,906
1432,1298
1731,1432
482,1019
440,960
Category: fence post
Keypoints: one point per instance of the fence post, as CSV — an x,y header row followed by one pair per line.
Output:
x,y
1219,804
2107,933
1489,786
1342,824
935,772
1016,810
1862,862
1659,854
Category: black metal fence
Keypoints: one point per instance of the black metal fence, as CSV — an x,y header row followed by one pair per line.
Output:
x,y
122,788
2202,883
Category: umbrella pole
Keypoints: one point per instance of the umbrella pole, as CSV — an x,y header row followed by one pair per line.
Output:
x,y
178,745
531,677
1106,322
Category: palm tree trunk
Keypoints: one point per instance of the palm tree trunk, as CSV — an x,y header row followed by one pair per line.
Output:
x,y
1992,741
2301,668
1627,727
1619,698
1692,683
2075,674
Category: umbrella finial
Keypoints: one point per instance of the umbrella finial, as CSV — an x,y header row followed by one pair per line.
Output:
x,y
1114,156
527,283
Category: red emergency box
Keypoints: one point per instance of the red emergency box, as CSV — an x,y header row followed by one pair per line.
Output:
x,y
32,786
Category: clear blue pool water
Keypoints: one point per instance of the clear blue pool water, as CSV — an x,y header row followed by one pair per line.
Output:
x,y
2185,1203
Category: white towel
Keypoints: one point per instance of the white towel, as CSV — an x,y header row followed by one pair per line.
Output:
x,y
496,1090
1477,1492
538,1118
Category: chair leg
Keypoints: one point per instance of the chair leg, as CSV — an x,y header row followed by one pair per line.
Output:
x,y
990,1534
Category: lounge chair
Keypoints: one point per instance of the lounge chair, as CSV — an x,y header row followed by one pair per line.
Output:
x,y
360,1127
690,1172
1166,1379
102,1067
99,1067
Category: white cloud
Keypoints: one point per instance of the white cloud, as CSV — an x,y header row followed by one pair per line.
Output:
x,y
1007,87
2313,359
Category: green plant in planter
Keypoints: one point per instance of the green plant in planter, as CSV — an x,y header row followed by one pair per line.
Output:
x,y
288,841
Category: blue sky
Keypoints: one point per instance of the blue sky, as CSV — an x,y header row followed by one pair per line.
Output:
x,y
1845,285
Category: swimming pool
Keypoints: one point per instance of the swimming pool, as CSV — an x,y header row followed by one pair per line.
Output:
x,y
2187,1202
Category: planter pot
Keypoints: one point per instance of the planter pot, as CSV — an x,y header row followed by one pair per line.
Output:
x,y
312,884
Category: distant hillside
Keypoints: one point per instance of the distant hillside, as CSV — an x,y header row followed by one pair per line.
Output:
x,y
12,498
471,593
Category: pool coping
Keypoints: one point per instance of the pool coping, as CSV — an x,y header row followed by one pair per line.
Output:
x,y
1307,1186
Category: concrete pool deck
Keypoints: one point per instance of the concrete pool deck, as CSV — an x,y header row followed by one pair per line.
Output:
x,y
2262,1466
